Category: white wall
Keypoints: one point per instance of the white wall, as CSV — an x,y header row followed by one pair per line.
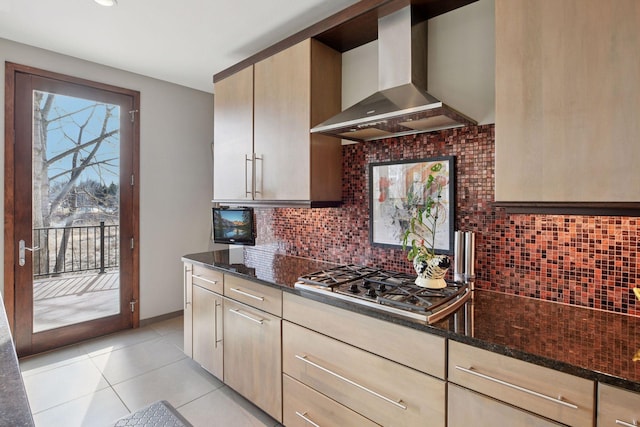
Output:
x,y
176,131
461,70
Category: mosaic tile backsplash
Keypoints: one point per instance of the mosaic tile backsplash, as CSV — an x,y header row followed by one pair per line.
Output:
x,y
589,261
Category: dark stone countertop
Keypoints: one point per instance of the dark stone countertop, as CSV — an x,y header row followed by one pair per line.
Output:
x,y
592,344
14,406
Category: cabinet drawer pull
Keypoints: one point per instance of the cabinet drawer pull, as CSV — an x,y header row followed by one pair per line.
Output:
x,y
239,313
633,423
246,294
213,282
559,400
340,377
304,417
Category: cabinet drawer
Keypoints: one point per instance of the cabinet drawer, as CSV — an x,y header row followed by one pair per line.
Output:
x,y
383,391
207,278
254,294
377,336
467,408
617,407
303,406
556,395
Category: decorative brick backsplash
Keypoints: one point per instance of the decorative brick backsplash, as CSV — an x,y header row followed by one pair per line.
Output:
x,y
589,261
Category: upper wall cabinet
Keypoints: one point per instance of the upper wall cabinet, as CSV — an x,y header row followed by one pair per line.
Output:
x,y
568,101
263,151
233,136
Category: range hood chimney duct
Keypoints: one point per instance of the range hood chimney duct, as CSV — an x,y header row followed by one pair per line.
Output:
x,y
402,105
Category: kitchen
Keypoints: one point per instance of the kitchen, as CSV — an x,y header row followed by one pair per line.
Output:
x,y
505,242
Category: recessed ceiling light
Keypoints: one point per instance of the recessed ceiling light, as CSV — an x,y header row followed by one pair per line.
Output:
x,y
106,2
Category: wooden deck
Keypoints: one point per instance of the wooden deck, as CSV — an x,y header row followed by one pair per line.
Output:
x,y
74,285
70,299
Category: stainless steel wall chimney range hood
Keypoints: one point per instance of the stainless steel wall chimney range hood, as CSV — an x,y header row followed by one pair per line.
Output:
x,y
402,105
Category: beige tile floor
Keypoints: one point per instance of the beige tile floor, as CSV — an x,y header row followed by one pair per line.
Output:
x,y
96,382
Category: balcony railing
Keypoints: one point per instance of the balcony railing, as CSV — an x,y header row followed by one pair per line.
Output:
x,y
75,249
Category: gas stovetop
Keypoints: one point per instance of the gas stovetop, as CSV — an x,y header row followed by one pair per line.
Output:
x,y
387,291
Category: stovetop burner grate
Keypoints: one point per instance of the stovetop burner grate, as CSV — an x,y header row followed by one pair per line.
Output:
x,y
338,275
387,290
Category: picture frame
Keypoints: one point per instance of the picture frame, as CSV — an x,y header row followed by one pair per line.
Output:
x,y
397,189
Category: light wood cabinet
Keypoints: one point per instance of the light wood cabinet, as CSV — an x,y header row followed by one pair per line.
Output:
x,y
291,92
203,330
379,389
254,294
233,136
304,407
567,101
373,335
207,278
252,355
547,392
617,407
207,330
467,408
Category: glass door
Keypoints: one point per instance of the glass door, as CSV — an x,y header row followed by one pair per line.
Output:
x,y
74,212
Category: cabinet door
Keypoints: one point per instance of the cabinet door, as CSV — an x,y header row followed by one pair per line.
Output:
x,y
617,407
466,408
233,136
188,310
207,330
567,101
252,354
282,123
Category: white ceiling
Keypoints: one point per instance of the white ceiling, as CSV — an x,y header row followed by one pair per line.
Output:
x,y
180,41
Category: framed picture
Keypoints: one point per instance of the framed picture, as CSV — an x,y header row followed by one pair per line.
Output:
x,y
398,189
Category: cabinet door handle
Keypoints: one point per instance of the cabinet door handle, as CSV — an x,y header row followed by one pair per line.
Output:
x,y
633,423
241,314
397,403
559,400
186,271
255,175
199,277
246,294
304,417
246,183
218,322
215,327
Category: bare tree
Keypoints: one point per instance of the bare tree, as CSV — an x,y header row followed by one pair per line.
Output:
x,y
78,150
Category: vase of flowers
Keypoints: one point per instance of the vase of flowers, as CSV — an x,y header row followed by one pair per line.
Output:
x,y
420,235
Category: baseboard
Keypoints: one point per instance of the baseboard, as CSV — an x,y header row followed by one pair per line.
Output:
x,y
150,320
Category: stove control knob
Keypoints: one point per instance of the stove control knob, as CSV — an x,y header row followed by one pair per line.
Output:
x,y
382,287
354,288
371,292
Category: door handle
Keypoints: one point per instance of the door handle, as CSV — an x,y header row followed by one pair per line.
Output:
x,y
22,248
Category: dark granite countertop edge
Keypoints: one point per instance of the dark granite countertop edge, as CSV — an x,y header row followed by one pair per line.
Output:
x,y
193,258
502,349
231,271
14,404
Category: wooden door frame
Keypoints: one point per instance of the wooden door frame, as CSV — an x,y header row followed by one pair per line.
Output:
x,y
11,69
